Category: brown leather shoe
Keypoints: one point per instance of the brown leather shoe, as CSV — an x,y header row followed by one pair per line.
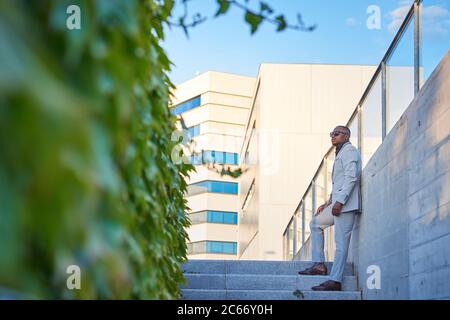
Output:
x,y
318,269
329,285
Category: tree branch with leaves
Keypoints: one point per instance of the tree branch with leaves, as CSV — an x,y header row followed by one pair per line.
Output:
x,y
253,17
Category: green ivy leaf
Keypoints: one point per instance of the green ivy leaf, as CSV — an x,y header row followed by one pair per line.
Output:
x,y
224,5
264,7
281,23
254,20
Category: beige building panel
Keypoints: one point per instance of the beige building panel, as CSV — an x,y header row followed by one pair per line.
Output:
x,y
190,89
196,116
222,128
203,173
225,99
228,114
213,112
213,201
336,89
285,95
231,83
270,239
219,142
216,82
213,232
251,252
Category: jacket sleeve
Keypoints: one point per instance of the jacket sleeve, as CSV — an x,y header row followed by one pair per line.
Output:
x,y
351,176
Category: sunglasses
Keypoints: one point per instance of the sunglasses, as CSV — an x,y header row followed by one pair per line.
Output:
x,y
336,133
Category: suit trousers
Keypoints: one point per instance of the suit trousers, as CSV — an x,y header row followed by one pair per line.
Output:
x,y
343,226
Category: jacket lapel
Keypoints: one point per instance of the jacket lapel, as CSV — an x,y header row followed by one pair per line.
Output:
x,y
337,157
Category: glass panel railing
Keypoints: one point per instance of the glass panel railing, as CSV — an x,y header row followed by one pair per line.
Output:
x,y
291,240
401,74
198,217
329,244
196,247
371,121
286,244
329,163
320,184
308,211
186,106
435,34
212,186
354,130
299,228
400,77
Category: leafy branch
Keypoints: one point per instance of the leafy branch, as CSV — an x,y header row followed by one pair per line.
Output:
x,y
266,13
197,18
253,17
224,170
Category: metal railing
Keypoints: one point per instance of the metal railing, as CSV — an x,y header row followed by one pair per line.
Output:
x,y
395,83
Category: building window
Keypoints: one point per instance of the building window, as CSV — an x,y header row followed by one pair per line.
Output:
x,y
194,131
221,247
224,217
213,187
218,157
186,106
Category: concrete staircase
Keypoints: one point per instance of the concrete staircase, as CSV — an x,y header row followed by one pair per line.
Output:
x,y
260,280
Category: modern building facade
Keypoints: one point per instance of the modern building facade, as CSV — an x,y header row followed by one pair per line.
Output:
x,y
293,109
214,107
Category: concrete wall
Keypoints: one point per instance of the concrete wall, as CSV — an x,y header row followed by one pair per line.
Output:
x,y
405,225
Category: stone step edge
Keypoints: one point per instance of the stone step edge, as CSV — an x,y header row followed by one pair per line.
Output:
x,y
300,292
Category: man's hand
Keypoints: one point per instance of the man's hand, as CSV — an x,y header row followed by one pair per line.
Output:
x,y
336,211
320,209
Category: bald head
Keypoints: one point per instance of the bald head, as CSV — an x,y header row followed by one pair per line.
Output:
x,y
340,134
344,129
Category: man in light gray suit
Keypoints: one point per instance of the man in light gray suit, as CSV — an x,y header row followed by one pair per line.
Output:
x,y
340,210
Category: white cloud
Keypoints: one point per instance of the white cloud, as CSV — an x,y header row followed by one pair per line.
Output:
x,y
406,3
398,15
433,12
352,22
435,19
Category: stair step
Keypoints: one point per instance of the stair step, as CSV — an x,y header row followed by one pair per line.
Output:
x,y
260,282
202,294
252,267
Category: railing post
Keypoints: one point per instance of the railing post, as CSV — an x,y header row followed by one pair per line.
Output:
x,y
294,246
360,141
360,131
384,111
303,224
313,195
325,177
359,123
417,46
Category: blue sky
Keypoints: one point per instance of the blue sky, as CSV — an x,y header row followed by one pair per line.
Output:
x,y
342,37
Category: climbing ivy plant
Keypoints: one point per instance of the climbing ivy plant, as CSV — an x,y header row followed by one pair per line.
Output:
x,y
86,176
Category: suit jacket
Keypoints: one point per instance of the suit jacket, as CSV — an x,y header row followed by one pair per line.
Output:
x,y
346,179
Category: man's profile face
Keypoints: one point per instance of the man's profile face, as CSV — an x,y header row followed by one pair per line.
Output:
x,y
339,135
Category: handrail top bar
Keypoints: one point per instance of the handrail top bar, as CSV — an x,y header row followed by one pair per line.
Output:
x,y
369,88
